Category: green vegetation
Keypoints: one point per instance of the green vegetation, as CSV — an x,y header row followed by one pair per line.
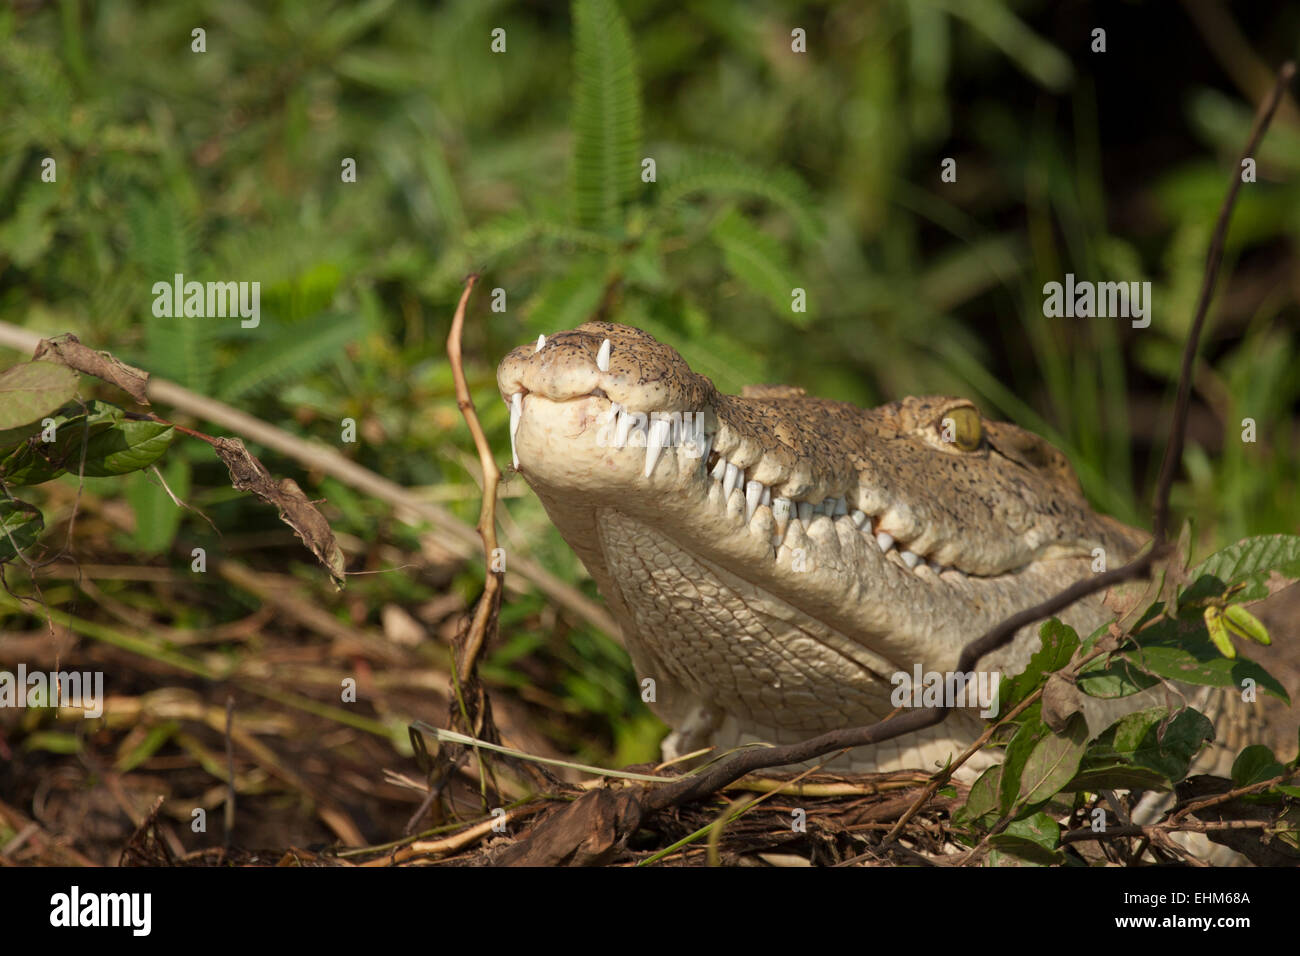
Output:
x,y
773,170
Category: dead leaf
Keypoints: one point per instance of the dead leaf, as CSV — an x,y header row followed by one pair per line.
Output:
x,y
67,348
296,510
1061,700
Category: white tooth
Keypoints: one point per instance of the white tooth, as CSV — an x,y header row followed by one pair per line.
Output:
x,y
602,357
516,412
731,479
859,518
828,507
719,470
753,495
541,344
841,507
805,511
886,541
621,429
910,559
781,508
767,496
655,442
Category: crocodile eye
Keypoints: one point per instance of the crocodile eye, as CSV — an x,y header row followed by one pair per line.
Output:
x,y
961,426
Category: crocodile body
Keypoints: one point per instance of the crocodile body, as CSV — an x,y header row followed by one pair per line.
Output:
x,y
774,560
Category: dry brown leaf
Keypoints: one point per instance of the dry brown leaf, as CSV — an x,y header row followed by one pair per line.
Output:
x,y
296,510
67,348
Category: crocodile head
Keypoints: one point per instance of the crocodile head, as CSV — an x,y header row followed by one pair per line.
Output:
x,y
774,559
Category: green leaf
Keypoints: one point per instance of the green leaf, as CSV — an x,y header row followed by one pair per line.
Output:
x,y
292,351
1034,839
1119,677
1053,762
52,741
982,801
1250,561
127,446
1255,764
156,516
566,302
686,172
759,262
113,445
606,115
20,525
33,390
1000,25
37,460
1022,745
156,736
1182,650
1133,753
1059,642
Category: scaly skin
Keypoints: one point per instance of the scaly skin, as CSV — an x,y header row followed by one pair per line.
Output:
x,y
757,622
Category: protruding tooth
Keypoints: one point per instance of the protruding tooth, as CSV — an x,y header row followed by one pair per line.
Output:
x,y
719,470
516,412
623,427
885,541
753,495
731,479
700,445
655,441
936,567
910,559
602,357
859,517
781,508
541,344
805,511
767,496
828,508
841,507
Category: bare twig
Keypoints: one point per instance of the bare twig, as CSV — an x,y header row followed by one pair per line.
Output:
x,y
490,603
1214,258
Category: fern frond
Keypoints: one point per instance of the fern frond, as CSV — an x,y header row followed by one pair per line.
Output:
x,y
759,262
567,302
606,115
683,172
293,351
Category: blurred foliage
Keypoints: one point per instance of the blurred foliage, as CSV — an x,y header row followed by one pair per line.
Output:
x,y
773,170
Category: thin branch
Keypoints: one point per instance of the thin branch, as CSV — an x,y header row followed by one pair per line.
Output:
x,y
1213,260
487,516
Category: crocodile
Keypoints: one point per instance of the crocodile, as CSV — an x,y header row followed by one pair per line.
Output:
x,y
775,560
